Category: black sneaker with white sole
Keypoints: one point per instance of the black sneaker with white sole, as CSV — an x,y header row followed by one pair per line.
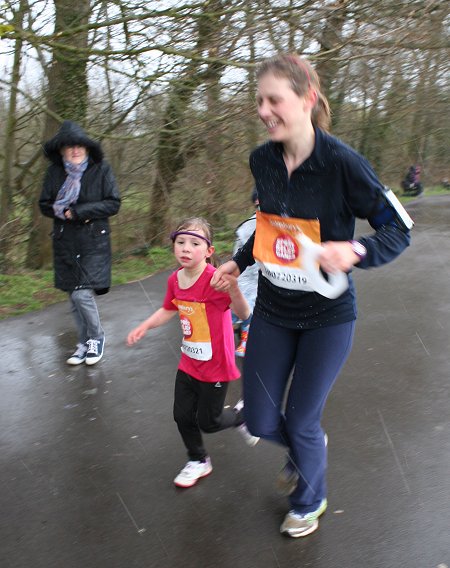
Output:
x,y
95,348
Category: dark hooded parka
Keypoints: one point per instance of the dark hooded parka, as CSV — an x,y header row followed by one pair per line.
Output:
x,y
82,245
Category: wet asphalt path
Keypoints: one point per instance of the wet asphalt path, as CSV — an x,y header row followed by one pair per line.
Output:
x,y
88,454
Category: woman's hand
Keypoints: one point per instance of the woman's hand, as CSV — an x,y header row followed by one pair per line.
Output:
x,y
230,283
337,256
220,280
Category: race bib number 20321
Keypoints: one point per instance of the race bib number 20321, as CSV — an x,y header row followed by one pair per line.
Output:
x,y
196,342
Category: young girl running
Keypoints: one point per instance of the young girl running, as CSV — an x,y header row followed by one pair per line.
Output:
x,y
207,361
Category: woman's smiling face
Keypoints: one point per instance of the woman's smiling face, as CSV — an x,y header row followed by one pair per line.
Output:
x,y
283,112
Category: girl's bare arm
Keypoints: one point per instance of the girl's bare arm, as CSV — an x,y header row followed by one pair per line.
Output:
x,y
160,317
239,304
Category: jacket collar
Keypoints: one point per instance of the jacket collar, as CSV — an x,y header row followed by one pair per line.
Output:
x,y
317,161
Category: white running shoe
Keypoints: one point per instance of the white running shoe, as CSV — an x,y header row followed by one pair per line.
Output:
x,y
249,439
192,472
296,525
239,407
79,356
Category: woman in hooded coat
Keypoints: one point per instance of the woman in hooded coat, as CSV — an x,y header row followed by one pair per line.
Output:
x,y
80,194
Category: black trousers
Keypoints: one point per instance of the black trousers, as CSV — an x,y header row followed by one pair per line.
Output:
x,y
198,407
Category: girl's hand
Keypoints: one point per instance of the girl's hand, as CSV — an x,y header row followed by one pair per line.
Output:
x,y
220,280
337,256
136,334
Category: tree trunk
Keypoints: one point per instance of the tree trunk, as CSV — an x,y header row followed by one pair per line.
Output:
x,y
251,128
9,149
170,159
331,44
67,93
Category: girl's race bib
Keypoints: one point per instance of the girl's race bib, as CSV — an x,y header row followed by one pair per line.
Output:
x,y
278,251
196,342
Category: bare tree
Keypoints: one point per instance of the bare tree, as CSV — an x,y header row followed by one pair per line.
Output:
x,y
66,99
9,139
170,158
172,88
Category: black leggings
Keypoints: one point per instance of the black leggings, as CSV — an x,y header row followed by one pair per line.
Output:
x,y
198,407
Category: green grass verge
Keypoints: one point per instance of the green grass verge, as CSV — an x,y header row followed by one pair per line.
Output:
x,y
26,291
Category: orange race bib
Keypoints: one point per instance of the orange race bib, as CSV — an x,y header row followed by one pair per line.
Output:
x,y
278,251
196,342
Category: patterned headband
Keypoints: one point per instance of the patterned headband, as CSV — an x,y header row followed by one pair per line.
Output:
x,y
175,234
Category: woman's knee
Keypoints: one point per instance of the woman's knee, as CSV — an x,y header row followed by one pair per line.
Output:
x,y
307,429
264,427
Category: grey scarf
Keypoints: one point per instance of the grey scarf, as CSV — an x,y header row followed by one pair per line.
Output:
x,y
70,189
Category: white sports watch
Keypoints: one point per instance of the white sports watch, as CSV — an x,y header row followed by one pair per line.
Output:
x,y
359,249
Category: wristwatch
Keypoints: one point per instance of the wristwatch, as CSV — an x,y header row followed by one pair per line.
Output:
x,y
359,249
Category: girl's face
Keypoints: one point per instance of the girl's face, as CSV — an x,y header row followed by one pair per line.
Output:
x,y
74,154
283,112
190,251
